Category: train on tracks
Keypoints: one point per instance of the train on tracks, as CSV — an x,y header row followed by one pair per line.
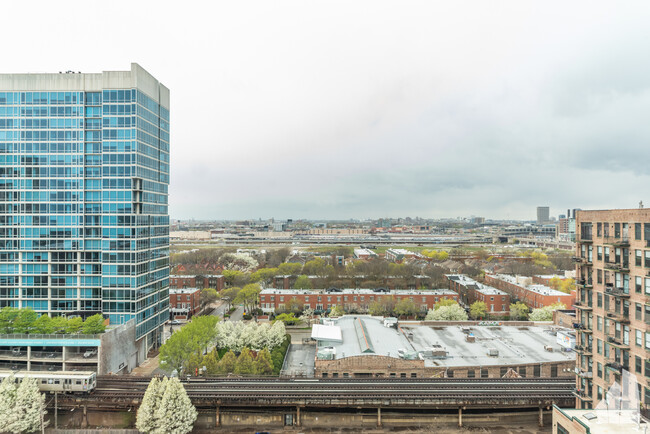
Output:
x,y
72,382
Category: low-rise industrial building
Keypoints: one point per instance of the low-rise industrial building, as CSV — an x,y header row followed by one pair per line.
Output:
x,y
397,255
365,346
349,299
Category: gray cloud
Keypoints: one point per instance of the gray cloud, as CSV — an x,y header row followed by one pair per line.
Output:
x,y
366,109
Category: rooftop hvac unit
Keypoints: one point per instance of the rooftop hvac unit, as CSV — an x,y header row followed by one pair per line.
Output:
x,y
493,352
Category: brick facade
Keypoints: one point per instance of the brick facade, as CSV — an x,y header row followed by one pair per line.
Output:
x,y
613,277
470,291
532,296
184,303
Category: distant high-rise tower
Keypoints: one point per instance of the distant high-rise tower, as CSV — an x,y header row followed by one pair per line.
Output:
x,y
84,173
543,215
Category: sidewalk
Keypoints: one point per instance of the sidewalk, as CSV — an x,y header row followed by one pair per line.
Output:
x,y
147,368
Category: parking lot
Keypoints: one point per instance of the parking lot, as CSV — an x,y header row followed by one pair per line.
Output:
x,y
300,360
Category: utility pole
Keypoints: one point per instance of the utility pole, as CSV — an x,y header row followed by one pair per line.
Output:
x,y
56,410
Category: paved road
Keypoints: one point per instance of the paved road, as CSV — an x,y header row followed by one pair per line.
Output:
x,y
237,315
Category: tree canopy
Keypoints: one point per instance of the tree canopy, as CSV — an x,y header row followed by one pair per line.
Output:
x,y
447,313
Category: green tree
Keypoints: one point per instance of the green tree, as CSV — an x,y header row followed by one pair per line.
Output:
x,y
302,282
478,310
211,362
447,313
75,325
263,363
193,364
24,322
244,364
336,311
230,295
176,351
227,363
8,316
294,306
518,311
43,325
287,318
249,296
289,268
383,307
233,277
315,267
208,296
264,275
60,324
94,324
445,302
405,307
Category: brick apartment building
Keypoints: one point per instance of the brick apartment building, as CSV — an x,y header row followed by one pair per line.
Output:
x,y
215,281
613,333
287,281
470,291
184,303
521,288
349,299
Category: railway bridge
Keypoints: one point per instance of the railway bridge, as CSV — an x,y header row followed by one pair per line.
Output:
x,y
294,396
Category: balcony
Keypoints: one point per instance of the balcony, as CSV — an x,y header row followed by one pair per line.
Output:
x,y
581,260
582,373
617,343
581,395
587,283
623,241
617,292
615,266
616,367
619,317
582,327
585,350
582,305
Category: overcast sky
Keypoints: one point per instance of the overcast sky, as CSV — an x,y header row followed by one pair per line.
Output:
x,y
353,109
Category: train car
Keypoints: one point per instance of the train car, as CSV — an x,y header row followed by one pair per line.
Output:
x,y
62,381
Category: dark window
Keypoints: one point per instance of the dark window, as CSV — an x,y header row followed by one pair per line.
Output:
x,y
553,371
561,429
638,365
503,371
450,373
599,229
414,375
599,297
522,371
471,373
638,312
335,375
647,368
402,375
324,374
393,375
537,371
646,231
637,231
484,373
345,375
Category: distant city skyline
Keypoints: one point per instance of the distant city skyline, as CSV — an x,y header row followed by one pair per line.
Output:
x,y
296,109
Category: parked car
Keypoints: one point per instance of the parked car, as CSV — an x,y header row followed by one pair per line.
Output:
x,y
175,322
90,353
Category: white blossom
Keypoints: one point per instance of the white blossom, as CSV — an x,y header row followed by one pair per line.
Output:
x,y
176,414
146,420
21,405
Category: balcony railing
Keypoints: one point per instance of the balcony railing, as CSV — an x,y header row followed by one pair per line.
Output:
x,y
617,241
582,305
617,342
583,349
617,292
619,317
582,395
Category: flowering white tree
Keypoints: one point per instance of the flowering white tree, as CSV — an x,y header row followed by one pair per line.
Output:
x,y
238,261
146,420
21,405
176,414
237,336
447,313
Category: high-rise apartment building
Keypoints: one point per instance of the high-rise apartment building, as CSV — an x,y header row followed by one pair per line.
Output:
x,y
543,215
613,334
84,173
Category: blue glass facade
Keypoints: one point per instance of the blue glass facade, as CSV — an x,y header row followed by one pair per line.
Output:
x,y
84,175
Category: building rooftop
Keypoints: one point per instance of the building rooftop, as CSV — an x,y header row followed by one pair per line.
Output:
x,y
515,345
471,283
540,289
606,421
